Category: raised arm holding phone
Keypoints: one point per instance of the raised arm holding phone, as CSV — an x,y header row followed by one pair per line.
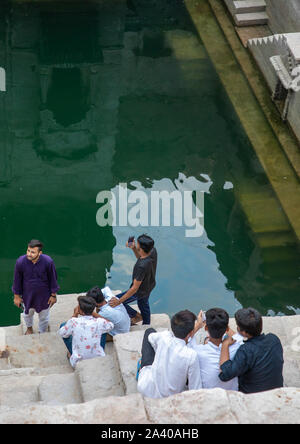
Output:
x,y
143,279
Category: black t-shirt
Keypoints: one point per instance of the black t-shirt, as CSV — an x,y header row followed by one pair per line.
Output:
x,y
144,270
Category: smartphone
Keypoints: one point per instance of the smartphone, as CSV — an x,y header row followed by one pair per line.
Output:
x,y
130,240
203,316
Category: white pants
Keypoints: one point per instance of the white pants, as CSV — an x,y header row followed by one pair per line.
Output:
x,y
43,319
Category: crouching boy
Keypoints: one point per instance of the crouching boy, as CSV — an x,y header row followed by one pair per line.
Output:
x,y
85,328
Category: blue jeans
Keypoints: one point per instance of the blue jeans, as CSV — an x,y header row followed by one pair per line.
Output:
x,y
68,341
143,304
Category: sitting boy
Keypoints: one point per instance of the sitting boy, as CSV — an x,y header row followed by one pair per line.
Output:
x,y
258,363
117,315
168,366
216,325
86,329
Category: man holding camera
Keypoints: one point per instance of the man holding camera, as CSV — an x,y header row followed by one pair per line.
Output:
x,y
143,280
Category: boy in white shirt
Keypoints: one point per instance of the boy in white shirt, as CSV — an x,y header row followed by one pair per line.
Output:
x,y
216,325
168,366
86,329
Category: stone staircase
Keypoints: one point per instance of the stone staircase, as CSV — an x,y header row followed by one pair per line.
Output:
x,y
248,12
35,368
37,383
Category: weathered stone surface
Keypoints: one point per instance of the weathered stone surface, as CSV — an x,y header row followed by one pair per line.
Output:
x,y
13,330
157,321
60,389
38,350
291,368
128,349
283,16
36,371
112,410
191,407
16,391
291,325
217,406
275,325
99,378
281,406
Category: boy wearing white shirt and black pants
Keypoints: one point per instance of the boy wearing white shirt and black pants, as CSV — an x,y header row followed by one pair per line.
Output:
x,y
216,325
168,366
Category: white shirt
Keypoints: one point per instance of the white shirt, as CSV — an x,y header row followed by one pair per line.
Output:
x,y
209,361
173,366
117,315
86,332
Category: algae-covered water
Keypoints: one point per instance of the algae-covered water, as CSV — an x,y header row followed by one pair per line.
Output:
x,y
101,93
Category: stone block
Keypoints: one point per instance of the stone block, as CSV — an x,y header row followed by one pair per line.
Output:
x,y
291,368
191,407
281,406
111,410
275,325
157,321
16,391
99,378
38,350
60,389
128,348
291,325
251,18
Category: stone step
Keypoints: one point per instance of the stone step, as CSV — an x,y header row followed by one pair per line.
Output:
x,y
23,389
16,391
264,213
60,390
288,254
271,240
99,378
128,348
36,371
291,368
246,6
37,350
250,19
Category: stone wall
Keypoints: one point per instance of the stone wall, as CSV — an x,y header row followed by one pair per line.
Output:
x,y
284,15
281,45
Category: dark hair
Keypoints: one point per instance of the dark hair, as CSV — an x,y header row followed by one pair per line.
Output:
x,y
86,304
217,321
146,242
249,320
182,323
96,294
35,243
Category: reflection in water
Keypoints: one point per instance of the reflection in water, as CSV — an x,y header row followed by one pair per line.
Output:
x,y
98,95
66,96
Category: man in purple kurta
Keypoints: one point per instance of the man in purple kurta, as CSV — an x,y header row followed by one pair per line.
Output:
x,y
35,285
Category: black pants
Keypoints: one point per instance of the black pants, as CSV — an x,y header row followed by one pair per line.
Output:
x,y
148,353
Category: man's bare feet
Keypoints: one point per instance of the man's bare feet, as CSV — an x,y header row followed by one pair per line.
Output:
x,y
29,331
138,318
68,355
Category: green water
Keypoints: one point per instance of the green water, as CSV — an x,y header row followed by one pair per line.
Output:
x,y
101,93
